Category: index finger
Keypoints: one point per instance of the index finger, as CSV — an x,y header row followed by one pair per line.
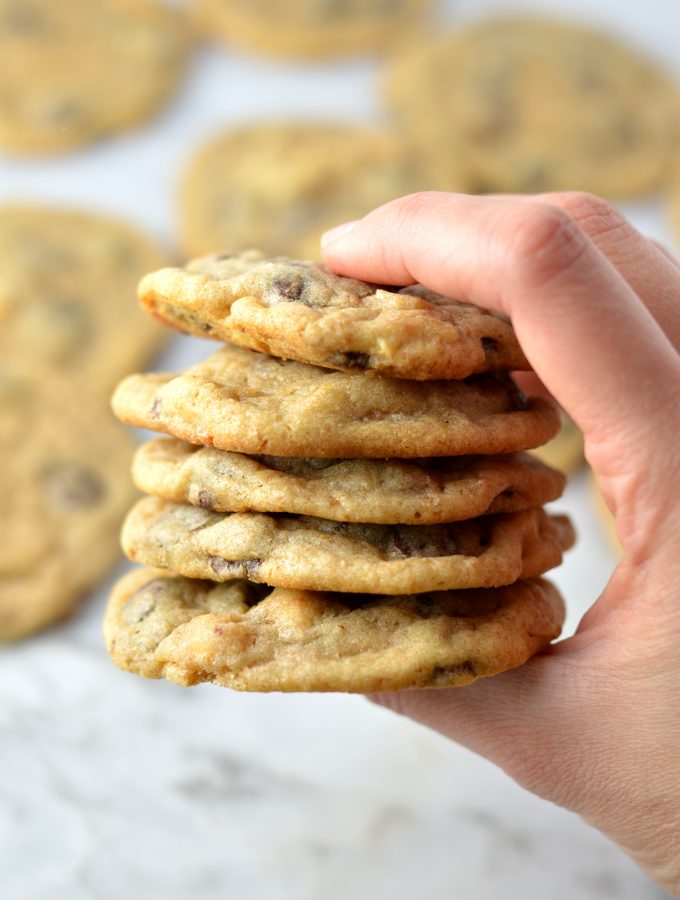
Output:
x,y
587,334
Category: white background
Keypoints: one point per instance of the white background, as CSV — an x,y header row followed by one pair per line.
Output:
x,y
114,787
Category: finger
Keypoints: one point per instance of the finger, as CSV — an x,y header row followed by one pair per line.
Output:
x,y
589,337
648,267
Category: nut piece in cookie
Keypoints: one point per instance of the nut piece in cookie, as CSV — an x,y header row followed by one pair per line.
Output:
x,y
252,403
318,554
252,638
302,311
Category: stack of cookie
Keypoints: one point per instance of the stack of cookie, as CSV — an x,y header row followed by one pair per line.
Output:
x,y
344,503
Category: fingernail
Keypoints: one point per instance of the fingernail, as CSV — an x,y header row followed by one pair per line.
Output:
x,y
328,237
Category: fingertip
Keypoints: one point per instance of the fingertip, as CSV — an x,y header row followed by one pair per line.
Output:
x,y
333,235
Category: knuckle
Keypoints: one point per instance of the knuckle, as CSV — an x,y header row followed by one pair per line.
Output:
x,y
547,242
595,215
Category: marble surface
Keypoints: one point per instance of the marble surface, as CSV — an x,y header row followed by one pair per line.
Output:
x,y
113,787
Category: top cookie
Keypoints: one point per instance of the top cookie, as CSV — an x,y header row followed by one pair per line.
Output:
x,y
528,105
73,71
301,311
308,29
280,185
67,295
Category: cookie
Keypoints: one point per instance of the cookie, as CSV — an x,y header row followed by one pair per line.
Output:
x,y
63,493
383,491
279,186
319,554
530,105
240,400
72,71
309,29
298,310
67,295
250,638
565,450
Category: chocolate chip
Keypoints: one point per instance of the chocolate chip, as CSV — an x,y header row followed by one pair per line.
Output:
x,y
22,20
289,288
489,346
446,674
206,500
237,568
71,486
350,360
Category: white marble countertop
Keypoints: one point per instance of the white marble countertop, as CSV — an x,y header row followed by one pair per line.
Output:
x,y
113,787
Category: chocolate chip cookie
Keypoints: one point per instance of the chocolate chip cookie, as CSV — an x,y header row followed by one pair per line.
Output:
x,y
251,403
393,491
67,295
309,29
318,554
252,638
527,105
63,494
302,311
72,71
279,185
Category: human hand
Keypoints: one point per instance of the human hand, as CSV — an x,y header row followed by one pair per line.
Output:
x,y
593,723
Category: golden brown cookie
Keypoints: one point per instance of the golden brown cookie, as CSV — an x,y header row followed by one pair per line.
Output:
x,y
318,554
565,450
280,185
73,71
67,295
251,638
64,490
384,491
299,310
309,29
251,403
529,105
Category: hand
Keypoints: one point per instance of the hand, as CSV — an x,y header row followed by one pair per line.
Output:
x,y
593,723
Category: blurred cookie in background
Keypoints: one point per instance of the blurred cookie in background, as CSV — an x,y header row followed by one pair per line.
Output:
x,y
72,72
309,29
533,105
279,186
565,450
68,303
64,489
70,327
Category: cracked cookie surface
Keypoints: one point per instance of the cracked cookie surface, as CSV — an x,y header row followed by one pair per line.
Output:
x,y
302,311
252,403
319,554
67,295
525,105
309,29
417,492
250,638
72,71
